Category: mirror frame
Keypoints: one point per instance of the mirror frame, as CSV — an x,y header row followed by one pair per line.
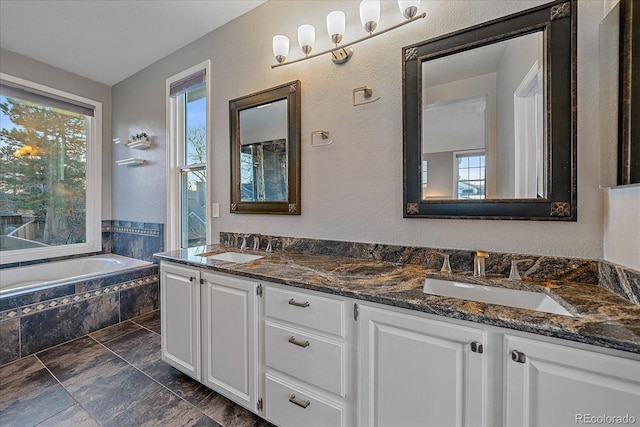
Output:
x,y
629,97
291,92
559,18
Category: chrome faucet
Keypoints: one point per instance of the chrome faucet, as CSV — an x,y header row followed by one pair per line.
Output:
x,y
478,263
256,243
243,246
446,267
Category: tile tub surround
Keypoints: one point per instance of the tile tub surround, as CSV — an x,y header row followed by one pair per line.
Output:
x,y
111,377
138,240
33,321
603,318
540,268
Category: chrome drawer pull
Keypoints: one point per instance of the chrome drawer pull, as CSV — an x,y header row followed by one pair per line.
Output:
x,y
301,403
302,344
299,304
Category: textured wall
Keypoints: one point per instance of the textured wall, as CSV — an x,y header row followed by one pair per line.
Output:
x,y
352,189
20,66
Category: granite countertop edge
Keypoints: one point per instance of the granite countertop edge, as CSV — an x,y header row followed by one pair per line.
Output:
x,y
604,320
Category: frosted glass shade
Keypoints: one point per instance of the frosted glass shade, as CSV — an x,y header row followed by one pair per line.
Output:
x,y
280,48
336,25
306,37
409,8
370,14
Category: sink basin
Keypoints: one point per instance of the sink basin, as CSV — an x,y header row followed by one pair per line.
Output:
x,y
493,295
236,257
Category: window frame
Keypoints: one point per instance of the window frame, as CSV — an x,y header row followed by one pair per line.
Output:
x,y
175,157
93,212
456,172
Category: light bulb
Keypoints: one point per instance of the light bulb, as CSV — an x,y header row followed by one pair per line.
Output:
x,y
280,48
409,8
306,38
336,24
369,14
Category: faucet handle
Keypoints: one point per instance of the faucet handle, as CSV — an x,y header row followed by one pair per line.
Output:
x,y
482,254
256,243
446,267
514,274
269,246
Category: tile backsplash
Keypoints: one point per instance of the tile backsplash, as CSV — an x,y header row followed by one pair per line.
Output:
x,y
618,279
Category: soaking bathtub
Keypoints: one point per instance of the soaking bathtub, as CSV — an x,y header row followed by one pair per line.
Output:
x,y
43,305
45,275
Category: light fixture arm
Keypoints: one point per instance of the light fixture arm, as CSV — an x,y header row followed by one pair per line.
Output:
x,y
345,45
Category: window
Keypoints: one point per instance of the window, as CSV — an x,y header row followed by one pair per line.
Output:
x,y
50,172
188,106
470,173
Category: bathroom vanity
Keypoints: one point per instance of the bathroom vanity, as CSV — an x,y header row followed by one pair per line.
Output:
x,y
318,340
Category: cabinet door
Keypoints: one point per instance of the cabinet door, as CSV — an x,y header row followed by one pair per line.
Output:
x,y
552,385
180,318
418,372
230,338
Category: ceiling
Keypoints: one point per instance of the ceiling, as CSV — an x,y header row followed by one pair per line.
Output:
x,y
109,40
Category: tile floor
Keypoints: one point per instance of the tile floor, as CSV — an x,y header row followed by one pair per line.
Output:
x,y
111,377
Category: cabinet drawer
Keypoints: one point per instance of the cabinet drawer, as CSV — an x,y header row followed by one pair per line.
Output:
x,y
288,405
323,314
305,356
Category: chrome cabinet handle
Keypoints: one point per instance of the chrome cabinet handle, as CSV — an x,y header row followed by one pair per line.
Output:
x,y
518,356
299,304
303,344
301,403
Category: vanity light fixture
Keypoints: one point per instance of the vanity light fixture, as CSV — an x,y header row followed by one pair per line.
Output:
x,y
336,24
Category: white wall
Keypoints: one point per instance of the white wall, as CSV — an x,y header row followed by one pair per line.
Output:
x,y
352,189
622,226
622,205
20,66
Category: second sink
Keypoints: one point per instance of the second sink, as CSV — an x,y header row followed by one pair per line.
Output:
x,y
236,257
493,295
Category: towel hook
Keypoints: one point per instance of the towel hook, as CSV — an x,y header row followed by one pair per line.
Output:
x,y
367,92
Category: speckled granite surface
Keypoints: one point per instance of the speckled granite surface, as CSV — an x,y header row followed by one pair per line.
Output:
x,y
603,318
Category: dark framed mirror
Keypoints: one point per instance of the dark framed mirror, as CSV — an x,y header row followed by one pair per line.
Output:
x,y
489,117
265,151
629,109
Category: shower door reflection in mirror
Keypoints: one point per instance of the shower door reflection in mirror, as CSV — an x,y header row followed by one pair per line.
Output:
x,y
263,153
484,123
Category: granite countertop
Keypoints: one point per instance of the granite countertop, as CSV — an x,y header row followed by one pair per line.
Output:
x,y
601,317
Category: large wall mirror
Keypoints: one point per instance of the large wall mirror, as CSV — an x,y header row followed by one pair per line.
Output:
x,y
265,151
629,132
489,119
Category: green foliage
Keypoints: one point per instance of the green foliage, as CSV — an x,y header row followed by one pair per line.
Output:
x,y
43,169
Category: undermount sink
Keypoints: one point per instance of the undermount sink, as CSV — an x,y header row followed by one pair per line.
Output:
x,y
236,257
493,295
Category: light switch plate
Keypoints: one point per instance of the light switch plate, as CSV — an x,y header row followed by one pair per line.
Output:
x,y
215,210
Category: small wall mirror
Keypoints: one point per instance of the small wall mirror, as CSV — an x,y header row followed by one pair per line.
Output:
x,y
488,114
265,151
629,111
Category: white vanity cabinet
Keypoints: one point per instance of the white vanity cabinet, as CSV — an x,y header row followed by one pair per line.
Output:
x,y
306,359
180,318
554,385
414,371
230,337
210,330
